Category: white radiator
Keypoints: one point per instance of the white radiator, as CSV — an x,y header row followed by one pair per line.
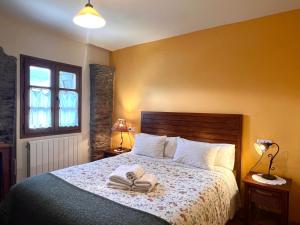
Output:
x,y
47,155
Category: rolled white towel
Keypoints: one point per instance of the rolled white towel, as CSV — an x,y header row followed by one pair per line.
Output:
x,y
119,175
145,184
114,185
135,172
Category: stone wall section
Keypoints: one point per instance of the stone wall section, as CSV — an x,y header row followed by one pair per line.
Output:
x,y
8,67
101,98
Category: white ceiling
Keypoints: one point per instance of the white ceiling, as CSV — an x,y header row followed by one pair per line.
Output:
x,y
131,22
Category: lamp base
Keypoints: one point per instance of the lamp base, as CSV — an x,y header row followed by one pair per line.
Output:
x,y
269,177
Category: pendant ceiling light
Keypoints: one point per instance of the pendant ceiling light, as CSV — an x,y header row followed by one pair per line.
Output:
x,y
88,17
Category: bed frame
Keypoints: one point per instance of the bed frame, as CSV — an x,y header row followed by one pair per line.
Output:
x,y
206,127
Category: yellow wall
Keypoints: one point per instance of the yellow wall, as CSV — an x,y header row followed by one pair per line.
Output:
x,y
252,68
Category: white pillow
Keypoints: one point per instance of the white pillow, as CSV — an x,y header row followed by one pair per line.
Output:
x,y
194,153
170,148
149,145
225,156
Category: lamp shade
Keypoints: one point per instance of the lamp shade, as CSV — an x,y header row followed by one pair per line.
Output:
x,y
120,125
88,17
261,148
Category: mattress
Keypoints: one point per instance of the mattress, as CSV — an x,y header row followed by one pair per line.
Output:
x,y
184,194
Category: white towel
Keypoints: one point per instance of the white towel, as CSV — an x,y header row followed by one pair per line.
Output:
x,y
135,171
115,185
145,184
119,175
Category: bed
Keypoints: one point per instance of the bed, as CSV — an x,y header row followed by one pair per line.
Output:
x,y
184,194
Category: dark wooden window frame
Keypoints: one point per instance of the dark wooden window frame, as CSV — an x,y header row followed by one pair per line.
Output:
x,y
55,67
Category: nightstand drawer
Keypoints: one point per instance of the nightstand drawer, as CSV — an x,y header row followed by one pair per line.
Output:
x,y
267,199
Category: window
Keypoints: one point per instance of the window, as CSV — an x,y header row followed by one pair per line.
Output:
x,y
50,97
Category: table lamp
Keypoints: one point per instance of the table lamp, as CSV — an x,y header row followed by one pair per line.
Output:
x,y
120,126
262,148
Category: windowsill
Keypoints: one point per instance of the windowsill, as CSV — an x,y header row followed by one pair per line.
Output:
x,y
28,136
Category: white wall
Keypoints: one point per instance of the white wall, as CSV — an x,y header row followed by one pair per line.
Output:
x,y
22,37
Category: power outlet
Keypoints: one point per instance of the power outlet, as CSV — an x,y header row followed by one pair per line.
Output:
x,y
263,141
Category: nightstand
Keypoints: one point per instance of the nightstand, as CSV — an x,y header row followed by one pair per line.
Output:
x,y
273,199
111,152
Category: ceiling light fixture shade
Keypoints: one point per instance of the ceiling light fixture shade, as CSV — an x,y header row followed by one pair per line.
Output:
x,y
88,17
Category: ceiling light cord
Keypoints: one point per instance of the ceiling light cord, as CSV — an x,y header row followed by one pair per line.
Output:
x,y
89,4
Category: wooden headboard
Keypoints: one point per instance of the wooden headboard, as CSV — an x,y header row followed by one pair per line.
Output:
x,y
206,127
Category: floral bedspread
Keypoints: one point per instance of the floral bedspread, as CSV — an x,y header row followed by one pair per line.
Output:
x,y
184,195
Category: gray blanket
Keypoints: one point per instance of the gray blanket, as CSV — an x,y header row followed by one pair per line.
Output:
x,y
48,200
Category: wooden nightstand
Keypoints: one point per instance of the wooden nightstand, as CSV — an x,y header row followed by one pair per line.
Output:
x,y
269,198
111,152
